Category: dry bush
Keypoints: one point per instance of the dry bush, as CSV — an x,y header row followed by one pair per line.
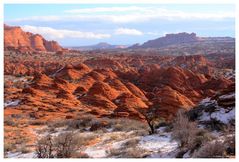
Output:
x,y
9,147
82,140
201,136
45,148
134,152
57,123
9,121
65,145
131,143
37,122
127,125
230,144
183,130
23,149
211,150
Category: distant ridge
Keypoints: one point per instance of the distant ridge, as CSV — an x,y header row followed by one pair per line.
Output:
x,y
101,45
178,38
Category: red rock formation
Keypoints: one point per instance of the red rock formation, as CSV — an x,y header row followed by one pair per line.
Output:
x,y
71,72
103,89
170,101
16,39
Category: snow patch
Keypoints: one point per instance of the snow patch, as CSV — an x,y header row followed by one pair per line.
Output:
x,y
160,144
221,115
227,96
11,103
20,155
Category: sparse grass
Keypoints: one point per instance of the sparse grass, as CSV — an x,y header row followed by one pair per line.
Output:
x,y
23,149
9,121
211,150
37,122
9,147
131,143
120,125
133,152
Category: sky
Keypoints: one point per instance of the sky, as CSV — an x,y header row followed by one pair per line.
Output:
x,y
119,24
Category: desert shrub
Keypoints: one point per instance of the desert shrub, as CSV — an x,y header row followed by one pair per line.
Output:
x,y
9,147
127,125
74,124
9,121
214,124
230,144
37,122
79,155
65,145
131,143
141,132
183,130
82,140
44,148
210,150
134,152
58,123
201,136
230,140
23,149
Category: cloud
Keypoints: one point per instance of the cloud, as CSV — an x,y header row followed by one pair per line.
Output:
x,y
105,9
131,14
52,33
127,31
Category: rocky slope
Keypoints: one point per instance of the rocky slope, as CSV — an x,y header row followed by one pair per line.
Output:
x,y
17,39
118,90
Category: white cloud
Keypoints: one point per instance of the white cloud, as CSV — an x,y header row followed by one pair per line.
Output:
x,y
127,31
52,33
106,9
131,14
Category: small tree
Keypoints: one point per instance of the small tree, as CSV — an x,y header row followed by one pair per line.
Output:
x,y
152,118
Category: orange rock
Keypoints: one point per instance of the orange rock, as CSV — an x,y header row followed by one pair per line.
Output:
x,y
16,39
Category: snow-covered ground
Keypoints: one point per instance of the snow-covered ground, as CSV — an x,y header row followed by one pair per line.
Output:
x,y
220,114
11,103
20,155
159,145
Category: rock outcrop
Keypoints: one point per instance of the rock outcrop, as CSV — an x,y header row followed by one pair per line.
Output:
x,y
17,39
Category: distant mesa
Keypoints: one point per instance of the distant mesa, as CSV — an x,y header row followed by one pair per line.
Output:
x,y
99,46
178,38
17,39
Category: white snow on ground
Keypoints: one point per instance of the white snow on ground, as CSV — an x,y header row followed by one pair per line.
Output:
x,y
162,145
207,101
220,115
96,152
187,154
159,145
224,116
11,103
100,149
232,95
20,155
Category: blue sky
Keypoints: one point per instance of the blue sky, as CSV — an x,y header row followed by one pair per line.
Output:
x,y
82,24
